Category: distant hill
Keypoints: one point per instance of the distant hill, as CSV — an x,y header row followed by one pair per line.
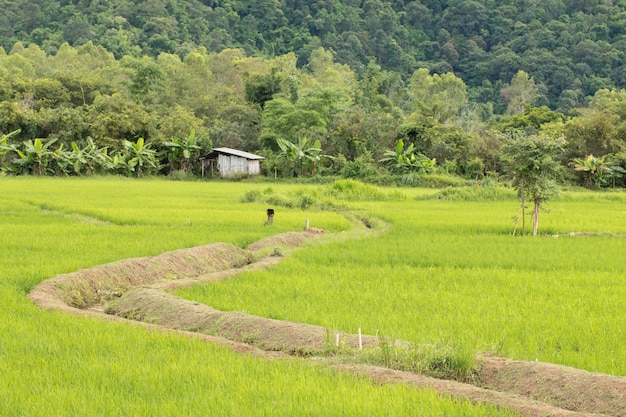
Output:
x,y
571,48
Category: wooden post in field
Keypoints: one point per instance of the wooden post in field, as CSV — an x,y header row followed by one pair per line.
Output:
x,y
360,340
337,339
306,224
270,216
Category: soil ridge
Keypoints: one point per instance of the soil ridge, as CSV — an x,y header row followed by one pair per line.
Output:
x,y
135,289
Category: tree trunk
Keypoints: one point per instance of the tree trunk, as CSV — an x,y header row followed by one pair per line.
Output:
x,y
522,199
537,200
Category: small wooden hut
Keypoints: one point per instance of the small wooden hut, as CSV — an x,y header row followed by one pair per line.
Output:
x,y
229,162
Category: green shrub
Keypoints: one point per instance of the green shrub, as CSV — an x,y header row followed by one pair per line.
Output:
x,y
180,175
352,190
250,196
239,176
432,180
306,201
473,193
280,200
359,169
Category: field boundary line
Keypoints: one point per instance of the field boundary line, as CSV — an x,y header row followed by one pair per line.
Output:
x,y
136,298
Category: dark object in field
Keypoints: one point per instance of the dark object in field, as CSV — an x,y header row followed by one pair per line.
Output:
x,y
270,216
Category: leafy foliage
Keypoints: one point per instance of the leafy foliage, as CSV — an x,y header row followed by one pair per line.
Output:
x,y
403,160
137,156
181,153
592,168
566,50
35,157
300,156
531,161
438,90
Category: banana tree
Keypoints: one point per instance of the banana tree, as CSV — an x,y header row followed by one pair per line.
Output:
x,y
6,148
89,158
79,159
593,170
180,153
614,172
138,155
35,157
407,160
61,163
300,156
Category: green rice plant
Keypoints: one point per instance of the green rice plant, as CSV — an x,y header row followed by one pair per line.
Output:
x,y
57,364
451,273
54,364
438,361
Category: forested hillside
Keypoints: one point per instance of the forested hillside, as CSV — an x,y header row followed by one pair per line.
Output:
x,y
570,47
441,77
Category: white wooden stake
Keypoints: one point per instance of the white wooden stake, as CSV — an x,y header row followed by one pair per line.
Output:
x,y
306,224
337,339
360,340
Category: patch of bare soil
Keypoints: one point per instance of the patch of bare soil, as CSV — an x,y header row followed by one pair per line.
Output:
x,y
462,391
288,239
134,289
88,287
155,306
569,388
587,234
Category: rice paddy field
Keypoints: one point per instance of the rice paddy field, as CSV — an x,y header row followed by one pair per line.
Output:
x,y
451,273
445,272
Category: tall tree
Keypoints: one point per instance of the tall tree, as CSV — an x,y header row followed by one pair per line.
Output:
x,y
438,96
522,92
532,163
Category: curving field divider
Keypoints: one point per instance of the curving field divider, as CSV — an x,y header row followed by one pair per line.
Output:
x,y
136,289
86,288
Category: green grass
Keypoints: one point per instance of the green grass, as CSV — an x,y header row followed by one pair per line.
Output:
x,y
451,273
55,364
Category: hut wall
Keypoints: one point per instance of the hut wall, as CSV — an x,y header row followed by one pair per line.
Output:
x,y
230,164
254,167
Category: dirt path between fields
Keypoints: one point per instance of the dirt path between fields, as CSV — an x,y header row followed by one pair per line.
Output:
x,y
137,290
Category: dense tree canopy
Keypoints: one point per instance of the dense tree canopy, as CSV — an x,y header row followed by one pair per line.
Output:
x,y
569,49
95,81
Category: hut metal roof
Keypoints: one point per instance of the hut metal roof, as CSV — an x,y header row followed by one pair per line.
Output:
x,y
229,151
